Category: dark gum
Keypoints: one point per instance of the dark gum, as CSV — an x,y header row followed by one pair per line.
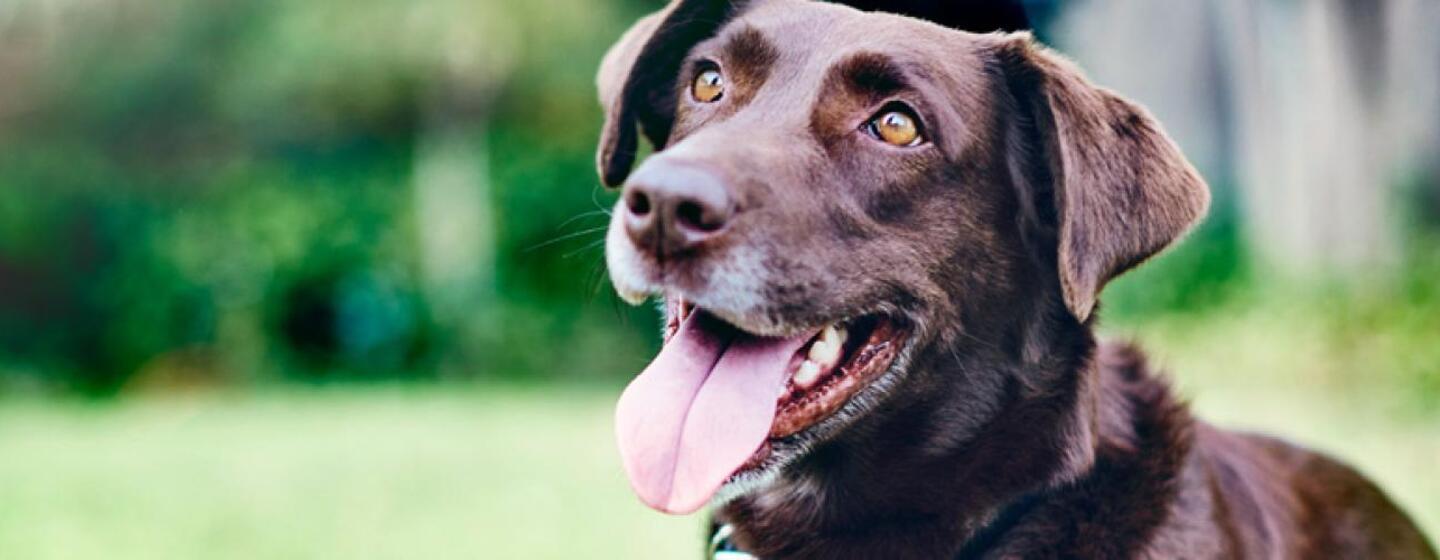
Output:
x,y
864,363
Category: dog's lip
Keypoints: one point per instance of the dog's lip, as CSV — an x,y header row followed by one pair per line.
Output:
x,y
874,344
678,306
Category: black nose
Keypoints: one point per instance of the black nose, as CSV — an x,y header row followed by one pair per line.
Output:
x,y
671,207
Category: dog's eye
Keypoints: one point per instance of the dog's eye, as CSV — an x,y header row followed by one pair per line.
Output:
x,y
896,127
708,86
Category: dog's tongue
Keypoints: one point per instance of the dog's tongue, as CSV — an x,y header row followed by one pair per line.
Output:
x,y
699,411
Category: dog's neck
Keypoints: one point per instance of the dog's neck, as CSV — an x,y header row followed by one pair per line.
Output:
x,y
900,489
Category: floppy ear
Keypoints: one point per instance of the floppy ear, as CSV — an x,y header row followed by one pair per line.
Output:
x,y
638,75
1118,188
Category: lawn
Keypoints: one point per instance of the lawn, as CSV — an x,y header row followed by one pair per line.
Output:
x,y
350,473
461,472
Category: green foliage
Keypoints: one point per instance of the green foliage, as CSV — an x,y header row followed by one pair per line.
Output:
x,y
113,273
223,194
229,193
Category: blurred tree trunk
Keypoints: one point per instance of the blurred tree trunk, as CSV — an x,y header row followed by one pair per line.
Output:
x,y
1413,88
453,205
1311,133
456,230
1318,110
1161,54
470,60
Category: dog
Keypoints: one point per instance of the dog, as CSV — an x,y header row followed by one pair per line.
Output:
x,y
880,244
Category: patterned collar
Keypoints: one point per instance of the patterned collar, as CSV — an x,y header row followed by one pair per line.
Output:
x,y
722,549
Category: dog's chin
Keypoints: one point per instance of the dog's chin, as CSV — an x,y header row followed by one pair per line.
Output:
x,y
873,362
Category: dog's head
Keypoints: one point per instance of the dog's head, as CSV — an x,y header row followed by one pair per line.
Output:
x,y
839,199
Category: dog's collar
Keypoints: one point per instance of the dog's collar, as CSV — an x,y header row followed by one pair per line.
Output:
x,y
722,549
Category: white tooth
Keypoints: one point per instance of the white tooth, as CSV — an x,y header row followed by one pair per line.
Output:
x,y
824,352
807,375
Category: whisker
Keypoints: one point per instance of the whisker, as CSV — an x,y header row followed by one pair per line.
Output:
x,y
597,280
582,215
595,199
587,231
587,247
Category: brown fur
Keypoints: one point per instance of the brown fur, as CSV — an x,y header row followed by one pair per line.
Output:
x,y
1009,432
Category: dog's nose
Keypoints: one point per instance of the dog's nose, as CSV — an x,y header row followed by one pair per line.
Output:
x,y
671,207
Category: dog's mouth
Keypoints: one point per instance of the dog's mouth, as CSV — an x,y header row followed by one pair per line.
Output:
x,y
833,365
710,405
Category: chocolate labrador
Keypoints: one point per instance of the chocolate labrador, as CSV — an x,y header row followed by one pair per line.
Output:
x,y
880,243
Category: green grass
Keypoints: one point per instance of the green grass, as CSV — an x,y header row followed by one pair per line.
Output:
x,y
350,473
440,472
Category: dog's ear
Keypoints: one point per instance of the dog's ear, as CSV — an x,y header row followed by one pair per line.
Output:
x,y
638,75
1113,187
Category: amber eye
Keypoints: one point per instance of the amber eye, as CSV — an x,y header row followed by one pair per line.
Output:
x,y
708,86
897,128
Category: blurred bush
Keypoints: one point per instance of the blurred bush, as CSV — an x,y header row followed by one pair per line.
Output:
x,y
321,190
203,193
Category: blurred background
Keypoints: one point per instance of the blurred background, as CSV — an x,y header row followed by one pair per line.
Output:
x,y
324,278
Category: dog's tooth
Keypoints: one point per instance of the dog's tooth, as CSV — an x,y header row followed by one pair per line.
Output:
x,y
807,375
825,350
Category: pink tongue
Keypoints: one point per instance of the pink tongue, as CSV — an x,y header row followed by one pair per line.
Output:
x,y
699,411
